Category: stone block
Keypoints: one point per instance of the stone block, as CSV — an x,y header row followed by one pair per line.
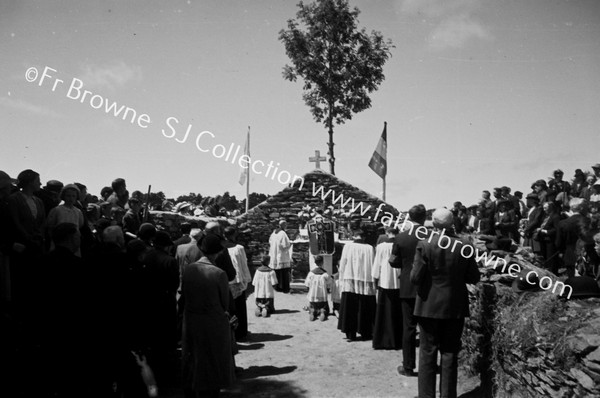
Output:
x,y
583,379
594,355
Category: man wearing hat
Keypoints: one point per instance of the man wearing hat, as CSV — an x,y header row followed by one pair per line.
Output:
x,y
505,220
558,190
596,169
441,275
540,188
586,191
534,220
579,182
131,219
570,231
49,194
403,254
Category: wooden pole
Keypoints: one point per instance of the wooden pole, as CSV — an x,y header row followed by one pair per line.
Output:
x,y
146,208
248,175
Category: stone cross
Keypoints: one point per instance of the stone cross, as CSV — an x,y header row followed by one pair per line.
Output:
x,y
317,159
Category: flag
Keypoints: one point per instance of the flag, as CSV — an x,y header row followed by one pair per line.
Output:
x,y
244,171
378,162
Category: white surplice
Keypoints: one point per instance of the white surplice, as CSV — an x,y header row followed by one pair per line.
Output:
x,y
389,278
355,271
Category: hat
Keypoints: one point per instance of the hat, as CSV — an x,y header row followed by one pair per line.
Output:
x,y
162,239
5,179
521,284
54,186
596,166
578,172
558,171
582,287
210,244
180,206
281,222
146,231
135,246
66,188
442,218
532,196
26,176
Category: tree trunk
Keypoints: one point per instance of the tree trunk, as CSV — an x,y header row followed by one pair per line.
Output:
x,y
331,144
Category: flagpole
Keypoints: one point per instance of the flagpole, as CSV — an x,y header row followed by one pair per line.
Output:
x,y
385,175
248,175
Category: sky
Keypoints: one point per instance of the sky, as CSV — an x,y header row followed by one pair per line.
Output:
x,y
477,94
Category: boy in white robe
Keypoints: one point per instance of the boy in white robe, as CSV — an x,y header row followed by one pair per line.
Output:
x,y
263,282
318,282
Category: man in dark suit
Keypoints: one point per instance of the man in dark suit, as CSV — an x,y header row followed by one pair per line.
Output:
x,y
441,273
535,216
403,254
570,231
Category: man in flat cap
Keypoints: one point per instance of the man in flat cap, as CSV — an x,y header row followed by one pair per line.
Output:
x,y
596,169
441,275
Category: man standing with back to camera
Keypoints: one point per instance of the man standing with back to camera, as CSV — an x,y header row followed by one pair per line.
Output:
x,y
403,255
441,273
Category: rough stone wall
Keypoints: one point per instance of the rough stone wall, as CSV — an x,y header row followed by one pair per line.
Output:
x,y
531,344
258,223
171,222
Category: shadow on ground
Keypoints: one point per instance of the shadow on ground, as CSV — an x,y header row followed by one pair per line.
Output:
x,y
260,371
249,347
264,388
285,311
258,337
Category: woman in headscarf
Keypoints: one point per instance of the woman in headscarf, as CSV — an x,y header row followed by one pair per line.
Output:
x,y
207,353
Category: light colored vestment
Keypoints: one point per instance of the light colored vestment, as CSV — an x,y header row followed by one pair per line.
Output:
x,y
389,278
242,274
263,284
317,286
355,271
280,250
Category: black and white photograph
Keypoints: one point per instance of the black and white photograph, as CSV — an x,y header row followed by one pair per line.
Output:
x,y
299,198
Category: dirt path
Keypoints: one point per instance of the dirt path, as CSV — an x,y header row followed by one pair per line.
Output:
x,y
289,356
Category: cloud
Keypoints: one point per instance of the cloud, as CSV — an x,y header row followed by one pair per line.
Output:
x,y
110,76
27,107
453,21
455,31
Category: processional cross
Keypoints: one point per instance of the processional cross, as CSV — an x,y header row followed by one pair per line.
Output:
x,y
317,159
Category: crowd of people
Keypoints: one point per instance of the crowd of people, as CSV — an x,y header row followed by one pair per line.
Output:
x,y
96,302
559,220
90,280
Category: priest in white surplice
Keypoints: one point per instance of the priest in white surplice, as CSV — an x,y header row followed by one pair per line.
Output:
x,y
357,307
280,251
387,333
